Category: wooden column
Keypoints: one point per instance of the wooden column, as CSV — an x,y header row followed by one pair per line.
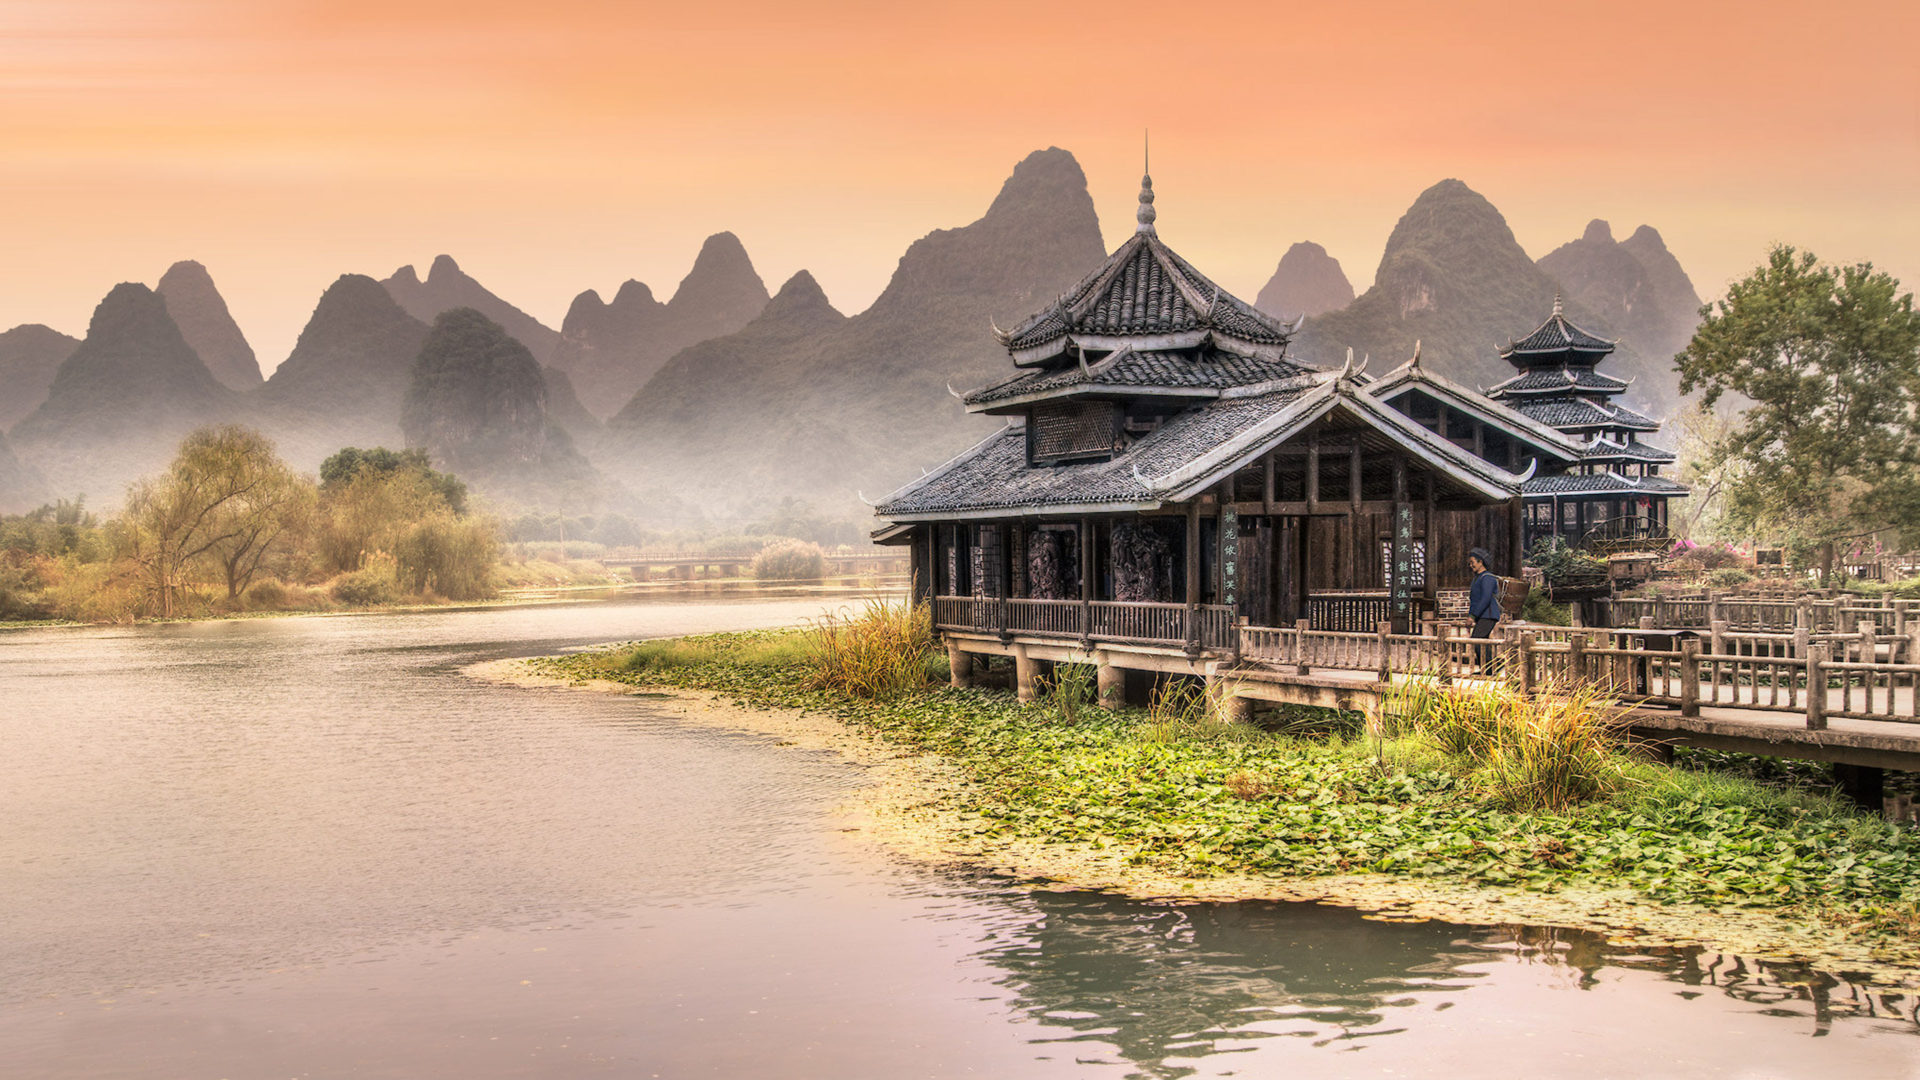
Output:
x,y
1087,564
1193,573
1816,687
1690,677
1267,479
1516,536
1313,473
1353,483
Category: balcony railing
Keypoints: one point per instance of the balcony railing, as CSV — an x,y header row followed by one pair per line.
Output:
x,y
1210,626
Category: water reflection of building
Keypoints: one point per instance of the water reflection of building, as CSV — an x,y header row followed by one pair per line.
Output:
x,y
1163,982
1163,985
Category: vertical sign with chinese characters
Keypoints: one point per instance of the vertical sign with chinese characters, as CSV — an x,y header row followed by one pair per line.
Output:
x,y
1401,595
1229,557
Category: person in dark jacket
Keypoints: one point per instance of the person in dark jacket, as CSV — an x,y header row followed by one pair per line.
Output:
x,y
1483,603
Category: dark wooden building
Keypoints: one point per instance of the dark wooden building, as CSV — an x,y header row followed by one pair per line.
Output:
x,y
1167,473
1612,494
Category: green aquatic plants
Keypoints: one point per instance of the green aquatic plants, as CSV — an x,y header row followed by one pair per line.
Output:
x,y
1185,795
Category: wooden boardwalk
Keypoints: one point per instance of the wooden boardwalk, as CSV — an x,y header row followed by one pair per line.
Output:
x,y
1842,689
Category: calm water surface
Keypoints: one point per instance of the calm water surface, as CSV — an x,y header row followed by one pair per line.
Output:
x,y
311,848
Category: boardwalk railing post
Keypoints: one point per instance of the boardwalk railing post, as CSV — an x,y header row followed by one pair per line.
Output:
x,y
1714,607
1690,677
1527,641
1817,688
1576,661
1717,630
1386,651
1444,649
1300,665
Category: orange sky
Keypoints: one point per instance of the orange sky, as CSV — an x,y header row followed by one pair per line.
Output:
x,y
570,144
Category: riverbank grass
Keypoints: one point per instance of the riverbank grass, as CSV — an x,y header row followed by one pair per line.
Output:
x,y
1499,796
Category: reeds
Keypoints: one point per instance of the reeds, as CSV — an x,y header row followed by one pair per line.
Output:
x,y
879,654
1068,691
1548,751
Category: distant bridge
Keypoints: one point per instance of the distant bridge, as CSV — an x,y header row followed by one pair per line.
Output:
x,y
689,564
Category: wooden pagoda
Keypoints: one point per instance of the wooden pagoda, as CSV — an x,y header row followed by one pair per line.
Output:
x,y
1168,480
1612,496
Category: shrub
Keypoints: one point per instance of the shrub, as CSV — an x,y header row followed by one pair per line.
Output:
x,y
879,654
447,555
1539,609
1559,563
1728,577
268,595
368,586
790,560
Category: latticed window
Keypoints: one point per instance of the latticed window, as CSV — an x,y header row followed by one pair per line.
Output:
x,y
1417,557
1074,429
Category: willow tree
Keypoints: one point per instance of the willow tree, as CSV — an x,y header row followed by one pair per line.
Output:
x,y
1827,362
227,500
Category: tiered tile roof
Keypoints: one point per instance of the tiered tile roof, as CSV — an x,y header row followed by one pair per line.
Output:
x,y
1570,414
1148,297
1140,373
1556,337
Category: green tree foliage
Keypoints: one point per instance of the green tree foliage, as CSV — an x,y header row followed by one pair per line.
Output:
x,y
346,464
1829,360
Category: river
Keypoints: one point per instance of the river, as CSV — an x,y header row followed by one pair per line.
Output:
x,y
311,847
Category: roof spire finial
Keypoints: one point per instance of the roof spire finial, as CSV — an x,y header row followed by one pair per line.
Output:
x,y
1145,214
1559,309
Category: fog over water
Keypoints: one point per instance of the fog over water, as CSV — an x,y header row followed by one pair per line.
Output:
x,y
312,847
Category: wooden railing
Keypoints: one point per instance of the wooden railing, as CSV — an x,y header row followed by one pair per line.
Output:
x,y
1889,618
1207,626
1817,676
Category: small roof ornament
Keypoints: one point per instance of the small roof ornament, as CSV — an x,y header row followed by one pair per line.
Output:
x,y
1559,309
1415,362
1145,214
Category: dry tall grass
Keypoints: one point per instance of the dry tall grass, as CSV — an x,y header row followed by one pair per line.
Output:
x,y
879,654
1546,752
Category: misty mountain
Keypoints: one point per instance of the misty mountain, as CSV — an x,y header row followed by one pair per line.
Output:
x,y
448,287
564,408
1454,278
1638,287
120,405
201,314
477,403
1308,281
611,350
344,380
805,403
21,489
29,356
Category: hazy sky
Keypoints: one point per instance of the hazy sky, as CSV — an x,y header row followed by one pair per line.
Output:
x,y
557,146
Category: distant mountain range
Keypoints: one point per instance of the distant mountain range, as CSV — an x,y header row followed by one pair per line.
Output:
x,y
609,351
728,400
1454,279
804,402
